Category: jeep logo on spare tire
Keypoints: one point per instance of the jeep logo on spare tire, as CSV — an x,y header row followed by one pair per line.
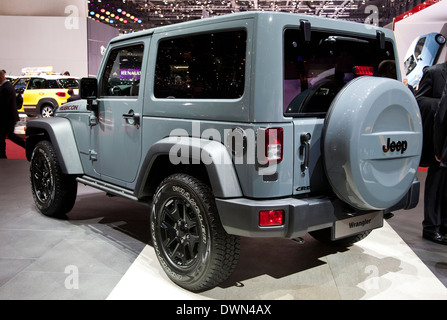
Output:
x,y
395,146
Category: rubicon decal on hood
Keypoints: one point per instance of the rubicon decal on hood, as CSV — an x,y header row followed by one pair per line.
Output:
x,y
69,107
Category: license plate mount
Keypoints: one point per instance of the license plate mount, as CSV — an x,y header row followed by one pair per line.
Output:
x,y
354,225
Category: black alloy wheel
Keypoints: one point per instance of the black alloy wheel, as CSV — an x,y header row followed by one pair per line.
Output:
x,y
42,178
180,232
193,248
54,192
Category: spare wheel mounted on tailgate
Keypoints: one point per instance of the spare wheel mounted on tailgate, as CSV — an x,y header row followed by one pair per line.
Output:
x,y
372,141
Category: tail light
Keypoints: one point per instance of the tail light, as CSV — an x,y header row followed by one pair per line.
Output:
x,y
61,94
269,218
274,144
363,70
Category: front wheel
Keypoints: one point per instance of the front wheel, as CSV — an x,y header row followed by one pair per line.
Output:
x,y
53,191
190,243
440,39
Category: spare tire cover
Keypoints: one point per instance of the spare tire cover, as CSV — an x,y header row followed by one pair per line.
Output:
x,y
372,142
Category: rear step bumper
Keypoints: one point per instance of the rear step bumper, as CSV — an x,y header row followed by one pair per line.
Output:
x,y
240,216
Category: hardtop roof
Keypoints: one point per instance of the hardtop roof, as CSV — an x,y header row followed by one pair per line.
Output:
x,y
347,25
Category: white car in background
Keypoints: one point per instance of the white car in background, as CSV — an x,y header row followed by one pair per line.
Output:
x,y
422,53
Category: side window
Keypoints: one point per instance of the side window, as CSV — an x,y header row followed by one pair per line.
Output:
x,y
122,74
21,84
52,84
36,83
205,66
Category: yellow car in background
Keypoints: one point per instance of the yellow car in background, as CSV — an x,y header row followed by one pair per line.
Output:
x,y
43,94
19,85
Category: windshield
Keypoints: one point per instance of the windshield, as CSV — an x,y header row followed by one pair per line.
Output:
x,y
315,72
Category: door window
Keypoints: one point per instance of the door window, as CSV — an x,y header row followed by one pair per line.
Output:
x,y
37,83
21,83
122,73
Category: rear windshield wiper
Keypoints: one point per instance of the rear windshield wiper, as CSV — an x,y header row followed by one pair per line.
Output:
x,y
335,39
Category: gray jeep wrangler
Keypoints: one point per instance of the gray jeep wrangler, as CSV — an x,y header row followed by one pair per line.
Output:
x,y
255,124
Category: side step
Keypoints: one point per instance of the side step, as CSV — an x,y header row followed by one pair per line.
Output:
x,y
107,187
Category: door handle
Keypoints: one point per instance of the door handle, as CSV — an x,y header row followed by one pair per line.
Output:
x,y
132,118
304,151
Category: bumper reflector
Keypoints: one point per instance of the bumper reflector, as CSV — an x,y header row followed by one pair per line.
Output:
x,y
269,218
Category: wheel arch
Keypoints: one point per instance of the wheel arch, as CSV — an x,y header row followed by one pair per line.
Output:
x,y
59,132
218,171
45,101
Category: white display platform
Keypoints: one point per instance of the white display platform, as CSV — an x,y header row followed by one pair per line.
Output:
x,y
381,266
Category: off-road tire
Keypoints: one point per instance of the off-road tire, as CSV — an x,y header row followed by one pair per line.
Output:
x,y
325,236
193,248
54,192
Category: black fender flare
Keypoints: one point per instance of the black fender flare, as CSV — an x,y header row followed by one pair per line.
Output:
x,y
43,101
218,162
61,135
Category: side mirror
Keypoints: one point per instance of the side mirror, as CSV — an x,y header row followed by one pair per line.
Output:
x,y
88,88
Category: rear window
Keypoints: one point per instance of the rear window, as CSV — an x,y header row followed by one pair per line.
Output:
x,y
315,72
69,83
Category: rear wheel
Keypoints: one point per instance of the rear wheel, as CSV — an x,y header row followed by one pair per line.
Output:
x,y
47,111
54,192
193,248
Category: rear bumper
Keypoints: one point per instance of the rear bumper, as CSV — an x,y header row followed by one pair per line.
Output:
x,y
240,216
410,200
